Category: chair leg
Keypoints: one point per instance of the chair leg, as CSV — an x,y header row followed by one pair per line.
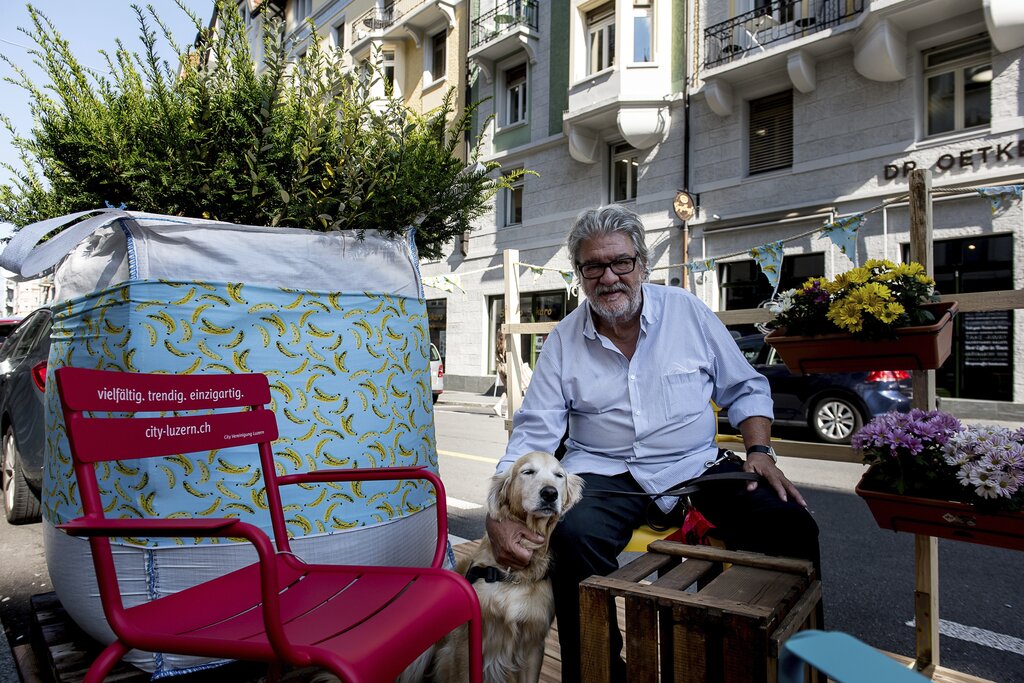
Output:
x,y
108,659
476,660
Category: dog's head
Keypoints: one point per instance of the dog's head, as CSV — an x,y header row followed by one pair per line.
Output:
x,y
535,489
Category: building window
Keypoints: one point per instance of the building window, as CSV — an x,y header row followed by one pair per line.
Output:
x,y
601,38
339,35
771,132
437,55
515,95
643,34
958,86
301,11
513,199
243,12
387,67
624,172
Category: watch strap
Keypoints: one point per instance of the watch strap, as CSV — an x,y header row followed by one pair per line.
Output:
x,y
767,450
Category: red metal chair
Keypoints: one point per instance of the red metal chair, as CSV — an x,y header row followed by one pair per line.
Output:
x,y
363,623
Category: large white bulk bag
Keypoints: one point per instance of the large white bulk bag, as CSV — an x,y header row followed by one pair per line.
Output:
x,y
338,324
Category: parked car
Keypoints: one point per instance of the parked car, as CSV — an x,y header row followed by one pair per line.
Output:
x,y
7,326
22,415
436,373
833,405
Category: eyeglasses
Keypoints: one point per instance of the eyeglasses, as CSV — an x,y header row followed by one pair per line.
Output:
x,y
620,266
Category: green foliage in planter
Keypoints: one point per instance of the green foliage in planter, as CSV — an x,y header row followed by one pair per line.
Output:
x,y
298,143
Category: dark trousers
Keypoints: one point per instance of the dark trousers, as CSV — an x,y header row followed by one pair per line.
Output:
x,y
591,536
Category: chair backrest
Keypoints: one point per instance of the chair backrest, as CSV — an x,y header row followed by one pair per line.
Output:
x,y
135,416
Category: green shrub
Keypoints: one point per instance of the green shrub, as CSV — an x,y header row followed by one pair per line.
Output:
x,y
299,144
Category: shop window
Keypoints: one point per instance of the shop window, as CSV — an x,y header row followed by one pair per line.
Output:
x,y
535,307
958,86
743,285
770,132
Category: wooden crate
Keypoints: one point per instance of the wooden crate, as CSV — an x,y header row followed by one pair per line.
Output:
x,y
729,629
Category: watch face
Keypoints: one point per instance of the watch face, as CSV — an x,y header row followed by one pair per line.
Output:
x,y
683,206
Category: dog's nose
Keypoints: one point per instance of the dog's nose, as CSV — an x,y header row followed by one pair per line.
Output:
x,y
549,494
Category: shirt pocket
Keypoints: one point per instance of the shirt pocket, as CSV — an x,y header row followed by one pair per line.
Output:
x,y
683,396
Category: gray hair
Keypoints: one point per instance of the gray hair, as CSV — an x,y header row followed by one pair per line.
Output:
x,y
605,220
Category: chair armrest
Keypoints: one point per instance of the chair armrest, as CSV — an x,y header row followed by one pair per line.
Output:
x,y
220,526
385,474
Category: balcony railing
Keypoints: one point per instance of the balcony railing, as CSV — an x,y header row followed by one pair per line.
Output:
x,y
503,18
375,19
780,20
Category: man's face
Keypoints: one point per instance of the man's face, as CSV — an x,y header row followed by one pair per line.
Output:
x,y
615,298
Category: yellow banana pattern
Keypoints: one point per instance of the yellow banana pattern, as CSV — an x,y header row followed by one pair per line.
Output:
x,y
350,385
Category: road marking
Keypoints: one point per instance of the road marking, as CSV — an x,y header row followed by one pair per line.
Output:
x,y
461,504
981,636
467,456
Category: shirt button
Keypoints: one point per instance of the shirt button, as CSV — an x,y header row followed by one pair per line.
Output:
x,y
637,412
632,377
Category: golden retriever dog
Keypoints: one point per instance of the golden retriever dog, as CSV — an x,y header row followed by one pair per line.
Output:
x,y
517,605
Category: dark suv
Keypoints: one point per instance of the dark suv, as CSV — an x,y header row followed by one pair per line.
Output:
x,y
23,416
834,406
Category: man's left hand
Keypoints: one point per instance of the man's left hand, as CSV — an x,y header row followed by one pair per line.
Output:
x,y
762,465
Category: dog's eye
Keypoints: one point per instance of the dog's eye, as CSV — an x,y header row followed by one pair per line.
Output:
x,y
560,475
527,472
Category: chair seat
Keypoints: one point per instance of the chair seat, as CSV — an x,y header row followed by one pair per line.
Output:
x,y
324,609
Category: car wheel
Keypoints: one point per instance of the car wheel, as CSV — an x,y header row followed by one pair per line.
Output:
x,y
835,420
20,504
436,396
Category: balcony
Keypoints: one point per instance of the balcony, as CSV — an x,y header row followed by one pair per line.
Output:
x,y
783,20
500,31
402,20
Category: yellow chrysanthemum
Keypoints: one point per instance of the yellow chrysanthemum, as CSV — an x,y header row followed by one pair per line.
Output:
x,y
846,315
858,276
890,312
870,294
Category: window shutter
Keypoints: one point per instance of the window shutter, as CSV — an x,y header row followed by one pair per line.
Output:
x,y
771,132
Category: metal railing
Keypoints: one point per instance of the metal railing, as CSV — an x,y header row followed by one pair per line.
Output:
x,y
375,19
780,20
503,18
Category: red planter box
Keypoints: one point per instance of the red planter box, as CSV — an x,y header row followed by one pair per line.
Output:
x,y
945,519
924,347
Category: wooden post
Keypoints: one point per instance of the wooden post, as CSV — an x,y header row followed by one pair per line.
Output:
x,y
513,352
926,548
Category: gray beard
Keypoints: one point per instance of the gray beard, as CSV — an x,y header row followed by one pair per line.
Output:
x,y
625,314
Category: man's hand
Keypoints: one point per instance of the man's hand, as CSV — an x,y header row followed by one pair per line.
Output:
x,y
507,542
761,464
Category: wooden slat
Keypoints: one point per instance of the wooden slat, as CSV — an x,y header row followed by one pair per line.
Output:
x,y
740,557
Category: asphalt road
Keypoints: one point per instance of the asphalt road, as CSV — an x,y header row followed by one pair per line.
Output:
x,y
868,572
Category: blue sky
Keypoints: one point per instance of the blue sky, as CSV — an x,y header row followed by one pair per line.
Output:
x,y
89,26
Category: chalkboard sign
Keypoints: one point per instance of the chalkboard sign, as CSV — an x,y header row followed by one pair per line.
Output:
x,y
987,339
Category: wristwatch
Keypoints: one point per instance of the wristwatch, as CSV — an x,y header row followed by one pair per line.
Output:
x,y
767,450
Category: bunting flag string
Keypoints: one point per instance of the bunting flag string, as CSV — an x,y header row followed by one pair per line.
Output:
x,y
842,232
1001,196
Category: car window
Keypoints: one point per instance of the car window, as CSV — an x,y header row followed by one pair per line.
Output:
x,y
434,354
27,333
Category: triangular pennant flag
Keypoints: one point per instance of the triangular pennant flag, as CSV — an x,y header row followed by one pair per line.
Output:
x,y
769,259
537,272
843,234
701,266
568,276
1001,196
445,283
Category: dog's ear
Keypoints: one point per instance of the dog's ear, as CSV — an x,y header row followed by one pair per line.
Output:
x,y
573,490
497,496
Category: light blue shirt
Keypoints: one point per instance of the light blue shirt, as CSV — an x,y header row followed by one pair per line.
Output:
x,y
650,416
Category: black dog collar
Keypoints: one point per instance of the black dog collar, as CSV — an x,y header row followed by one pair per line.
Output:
x,y
487,573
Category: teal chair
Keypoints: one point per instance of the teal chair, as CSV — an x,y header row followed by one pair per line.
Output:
x,y
842,658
